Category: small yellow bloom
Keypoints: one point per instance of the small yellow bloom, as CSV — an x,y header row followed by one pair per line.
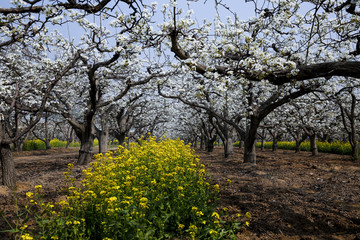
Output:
x,y
112,199
26,237
193,228
181,226
194,209
215,215
143,202
30,194
38,187
24,227
248,215
247,223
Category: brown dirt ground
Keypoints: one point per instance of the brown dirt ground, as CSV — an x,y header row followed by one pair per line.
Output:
x,y
290,196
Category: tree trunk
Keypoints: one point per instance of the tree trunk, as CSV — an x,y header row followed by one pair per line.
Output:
x,y
103,139
195,142
299,138
210,144
313,145
240,140
202,143
19,144
7,166
85,152
355,152
263,137
120,137
47,140
249,151
228,147
275,143
354,143
297,146
250,141
47,143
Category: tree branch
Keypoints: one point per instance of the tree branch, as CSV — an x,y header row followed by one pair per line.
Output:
x,y
305,72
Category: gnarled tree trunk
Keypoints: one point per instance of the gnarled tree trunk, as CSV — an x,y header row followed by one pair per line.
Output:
x,y
103,137
85,152
229,147
313,144
202,143
250,141
210,144
7,166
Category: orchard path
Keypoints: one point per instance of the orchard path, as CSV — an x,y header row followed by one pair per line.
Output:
x,y
290,196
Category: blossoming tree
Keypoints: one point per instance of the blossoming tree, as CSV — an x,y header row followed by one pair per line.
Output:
x,y
288,49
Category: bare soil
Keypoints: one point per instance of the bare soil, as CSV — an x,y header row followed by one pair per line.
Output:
x,y
290,196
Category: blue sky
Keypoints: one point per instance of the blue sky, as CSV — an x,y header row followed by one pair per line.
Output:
x,y
203,9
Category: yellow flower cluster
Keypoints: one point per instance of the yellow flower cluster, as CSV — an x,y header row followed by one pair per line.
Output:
x,y
333,147
144,190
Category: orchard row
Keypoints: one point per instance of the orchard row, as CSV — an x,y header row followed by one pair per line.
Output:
x,y
119,69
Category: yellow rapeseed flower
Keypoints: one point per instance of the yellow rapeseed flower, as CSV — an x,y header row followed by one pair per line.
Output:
x,y
199,213
112,200
30,194
24,227
26,237
215,215
217,187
